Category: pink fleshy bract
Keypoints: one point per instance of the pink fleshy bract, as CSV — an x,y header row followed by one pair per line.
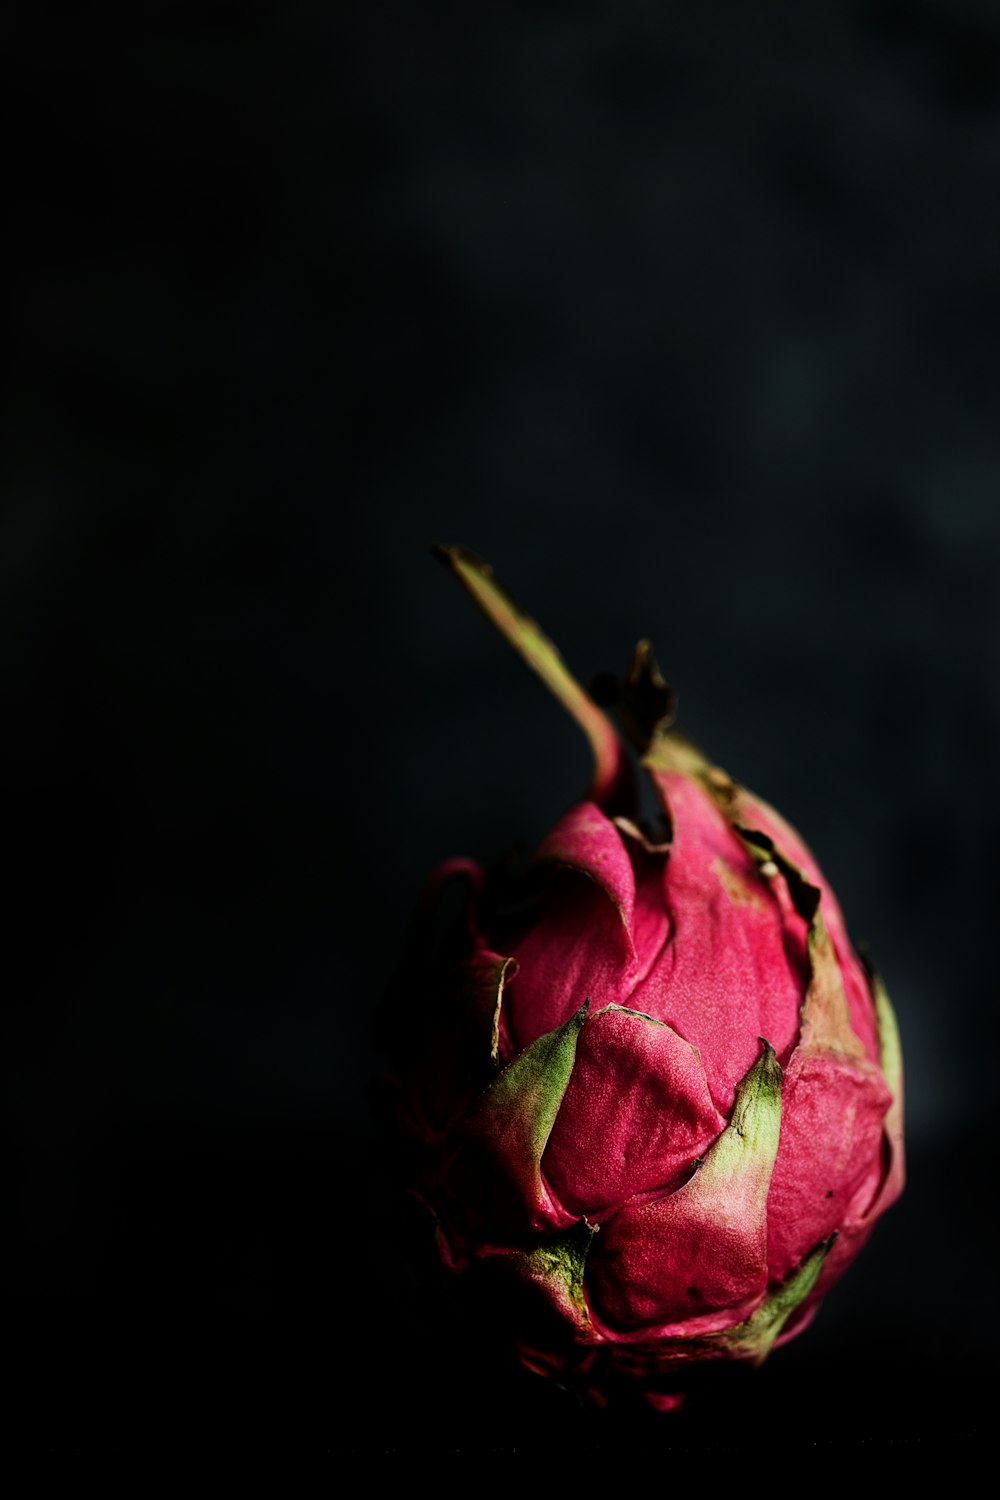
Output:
x,y
636,1113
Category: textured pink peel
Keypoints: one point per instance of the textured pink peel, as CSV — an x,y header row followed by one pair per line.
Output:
x,y
635,1115
724,978
576,953
586,841
699,1252
830,1138
754,812
836,1101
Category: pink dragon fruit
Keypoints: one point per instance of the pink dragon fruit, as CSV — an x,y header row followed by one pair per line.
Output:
x,y
653,1101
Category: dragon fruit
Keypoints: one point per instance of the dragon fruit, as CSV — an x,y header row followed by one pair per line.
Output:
x,y
648,1094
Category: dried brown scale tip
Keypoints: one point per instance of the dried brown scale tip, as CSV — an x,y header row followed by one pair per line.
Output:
x,y
645,702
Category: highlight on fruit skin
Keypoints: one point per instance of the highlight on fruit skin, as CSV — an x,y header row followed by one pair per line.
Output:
x,y
647,1093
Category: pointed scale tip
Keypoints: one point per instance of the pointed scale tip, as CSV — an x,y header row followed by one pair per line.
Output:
x,y
452,556
612,787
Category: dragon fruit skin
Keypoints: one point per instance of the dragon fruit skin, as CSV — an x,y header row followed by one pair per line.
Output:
x,y
656,1101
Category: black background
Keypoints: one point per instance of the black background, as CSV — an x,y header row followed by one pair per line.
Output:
x,y
686,316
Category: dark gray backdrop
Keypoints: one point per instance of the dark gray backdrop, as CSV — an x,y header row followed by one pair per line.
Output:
x,y
685,316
